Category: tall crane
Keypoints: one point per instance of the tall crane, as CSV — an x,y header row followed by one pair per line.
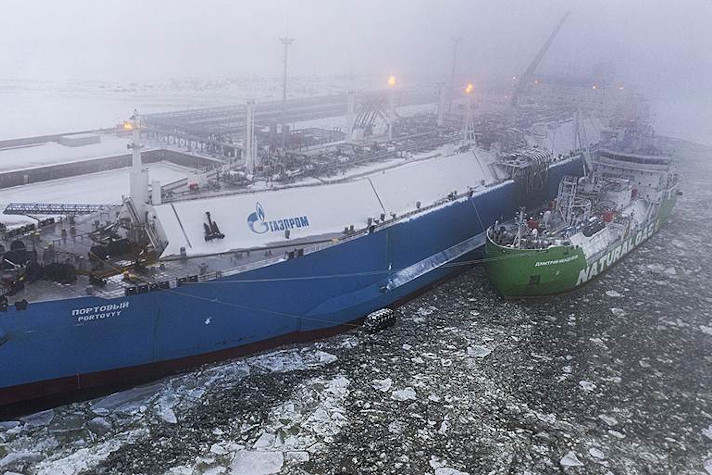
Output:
x,y
527,77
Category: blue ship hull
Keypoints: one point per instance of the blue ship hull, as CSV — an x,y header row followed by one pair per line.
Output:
x,y
67,346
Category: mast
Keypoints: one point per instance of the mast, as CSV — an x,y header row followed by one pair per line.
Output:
x,y
468,133
391,105
285,42
138,178
250,147
453,70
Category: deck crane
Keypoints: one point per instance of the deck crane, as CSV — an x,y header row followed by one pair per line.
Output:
x,y
526,79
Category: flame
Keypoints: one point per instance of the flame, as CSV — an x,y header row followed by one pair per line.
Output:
x,y
392,81
128,125
469,88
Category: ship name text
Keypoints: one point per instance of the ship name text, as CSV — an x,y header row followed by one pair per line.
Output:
x,y
557,261
100,312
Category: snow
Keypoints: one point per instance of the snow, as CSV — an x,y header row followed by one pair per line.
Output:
x,y
231,214
394,190
94,188
53,153
101,187
430,180
560,140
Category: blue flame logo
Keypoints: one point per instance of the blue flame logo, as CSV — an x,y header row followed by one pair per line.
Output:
x,y
256,220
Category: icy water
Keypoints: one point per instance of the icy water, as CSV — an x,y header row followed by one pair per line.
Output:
x,y
612,379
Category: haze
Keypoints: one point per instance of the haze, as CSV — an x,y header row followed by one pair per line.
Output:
x,y
662,47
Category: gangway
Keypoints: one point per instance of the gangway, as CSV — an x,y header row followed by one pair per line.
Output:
x,y
54,208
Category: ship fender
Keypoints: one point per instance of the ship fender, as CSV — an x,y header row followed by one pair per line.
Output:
x,y
379,320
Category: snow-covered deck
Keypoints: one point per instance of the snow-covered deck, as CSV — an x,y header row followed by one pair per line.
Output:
x,y
95,188
257,219
52,153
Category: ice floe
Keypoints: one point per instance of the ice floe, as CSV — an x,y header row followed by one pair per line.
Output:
x,y
618,312
406,394
383,385
478,351
570,460
257,463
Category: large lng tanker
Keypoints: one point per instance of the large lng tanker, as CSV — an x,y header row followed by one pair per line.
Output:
x,y
629,192
170,280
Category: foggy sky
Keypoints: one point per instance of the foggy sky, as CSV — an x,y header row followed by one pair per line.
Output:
x,y
661,45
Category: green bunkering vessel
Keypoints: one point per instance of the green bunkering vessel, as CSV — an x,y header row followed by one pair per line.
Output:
x,y
518,272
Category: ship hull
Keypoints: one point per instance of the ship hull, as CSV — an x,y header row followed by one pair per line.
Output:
x,y
77,346
558,269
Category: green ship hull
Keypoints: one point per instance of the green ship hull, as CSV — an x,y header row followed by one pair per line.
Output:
x,y
517,272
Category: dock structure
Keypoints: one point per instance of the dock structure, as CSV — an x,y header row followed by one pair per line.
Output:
x,y
221,130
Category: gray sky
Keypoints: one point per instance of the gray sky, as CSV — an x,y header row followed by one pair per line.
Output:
x,y
659,44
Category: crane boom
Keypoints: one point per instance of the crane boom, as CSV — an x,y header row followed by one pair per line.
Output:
x,y
525,79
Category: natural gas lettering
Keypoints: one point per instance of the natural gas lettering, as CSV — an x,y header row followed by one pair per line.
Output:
x,y
613,255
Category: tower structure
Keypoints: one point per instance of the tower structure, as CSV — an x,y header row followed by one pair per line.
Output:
x,y
138,177
453,71
392,81
468,132
250,145
350,114
285,42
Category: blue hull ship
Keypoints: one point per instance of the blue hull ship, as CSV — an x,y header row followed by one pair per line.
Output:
x,y
193,306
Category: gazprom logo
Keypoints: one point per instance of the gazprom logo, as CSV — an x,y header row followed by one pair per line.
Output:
x,y
259,224
256,220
